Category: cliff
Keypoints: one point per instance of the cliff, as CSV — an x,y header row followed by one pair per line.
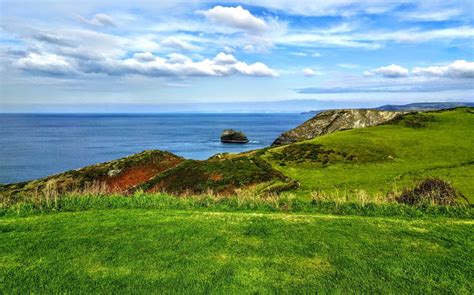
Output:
x,y
334,120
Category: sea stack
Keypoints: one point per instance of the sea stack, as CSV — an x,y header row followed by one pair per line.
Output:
x,y
233,136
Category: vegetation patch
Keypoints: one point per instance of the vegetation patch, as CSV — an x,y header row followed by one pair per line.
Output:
x,y
431,191
220,175
315,153
414,120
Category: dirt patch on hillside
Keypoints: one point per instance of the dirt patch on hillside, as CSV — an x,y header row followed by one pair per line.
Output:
x,y
133,176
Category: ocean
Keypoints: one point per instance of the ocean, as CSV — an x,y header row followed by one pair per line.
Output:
x,y
37,145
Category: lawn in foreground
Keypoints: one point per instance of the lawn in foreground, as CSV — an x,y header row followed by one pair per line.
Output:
x,y
142,251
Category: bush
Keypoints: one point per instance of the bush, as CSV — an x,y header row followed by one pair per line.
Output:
x,y
431,191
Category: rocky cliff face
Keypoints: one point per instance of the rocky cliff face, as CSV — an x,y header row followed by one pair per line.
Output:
x,y
335,120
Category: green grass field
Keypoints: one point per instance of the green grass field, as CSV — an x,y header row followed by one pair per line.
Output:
x,y
388,157
169,251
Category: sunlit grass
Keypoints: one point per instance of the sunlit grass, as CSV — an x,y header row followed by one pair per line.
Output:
x,y
142,250
391,157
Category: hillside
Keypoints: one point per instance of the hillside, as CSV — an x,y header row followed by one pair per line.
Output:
x,y
385,158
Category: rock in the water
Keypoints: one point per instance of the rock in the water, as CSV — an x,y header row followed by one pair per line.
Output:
x,y
335,120
233,136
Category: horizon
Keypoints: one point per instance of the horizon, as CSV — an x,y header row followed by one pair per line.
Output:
x,y
203,108
101,55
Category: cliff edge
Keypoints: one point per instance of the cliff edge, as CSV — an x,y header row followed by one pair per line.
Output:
x,y
334,120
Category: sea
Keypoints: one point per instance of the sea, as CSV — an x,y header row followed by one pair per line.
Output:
x,y
37,145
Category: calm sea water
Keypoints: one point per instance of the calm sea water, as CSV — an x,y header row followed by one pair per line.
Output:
x,y
37,145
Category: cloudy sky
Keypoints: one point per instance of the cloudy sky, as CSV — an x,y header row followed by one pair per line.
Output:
x,y
90,54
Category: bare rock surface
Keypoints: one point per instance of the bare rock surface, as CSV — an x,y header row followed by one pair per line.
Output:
x,y
233,136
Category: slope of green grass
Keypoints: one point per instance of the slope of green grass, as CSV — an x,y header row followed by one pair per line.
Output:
x,y
386,157
168,251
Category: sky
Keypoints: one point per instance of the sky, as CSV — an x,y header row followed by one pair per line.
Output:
x,y
261,55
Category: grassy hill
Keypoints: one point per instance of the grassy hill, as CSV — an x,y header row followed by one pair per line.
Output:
x,y
385,158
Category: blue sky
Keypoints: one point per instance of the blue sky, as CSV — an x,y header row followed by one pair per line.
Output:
x,y
110,55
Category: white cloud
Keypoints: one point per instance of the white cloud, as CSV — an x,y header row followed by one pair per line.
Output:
x,y
146,64
236,17
177,58
457,69
309,72
99,20
225,59
177,43
391,71
419,36
50,64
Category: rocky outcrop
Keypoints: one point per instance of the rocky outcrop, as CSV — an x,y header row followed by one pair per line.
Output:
x,y
233,136
335,120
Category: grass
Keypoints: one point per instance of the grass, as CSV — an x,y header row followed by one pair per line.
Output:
x,y
384,158
172,251
244,202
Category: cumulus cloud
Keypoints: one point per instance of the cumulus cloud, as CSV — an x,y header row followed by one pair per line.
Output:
x,y
146,64
177,43
236,17
50,64
459,69
99,20
391,71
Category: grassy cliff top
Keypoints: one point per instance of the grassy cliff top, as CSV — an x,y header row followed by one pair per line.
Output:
x,y
387,157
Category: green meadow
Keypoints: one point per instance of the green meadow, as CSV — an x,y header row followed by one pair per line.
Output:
x,y
176,251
